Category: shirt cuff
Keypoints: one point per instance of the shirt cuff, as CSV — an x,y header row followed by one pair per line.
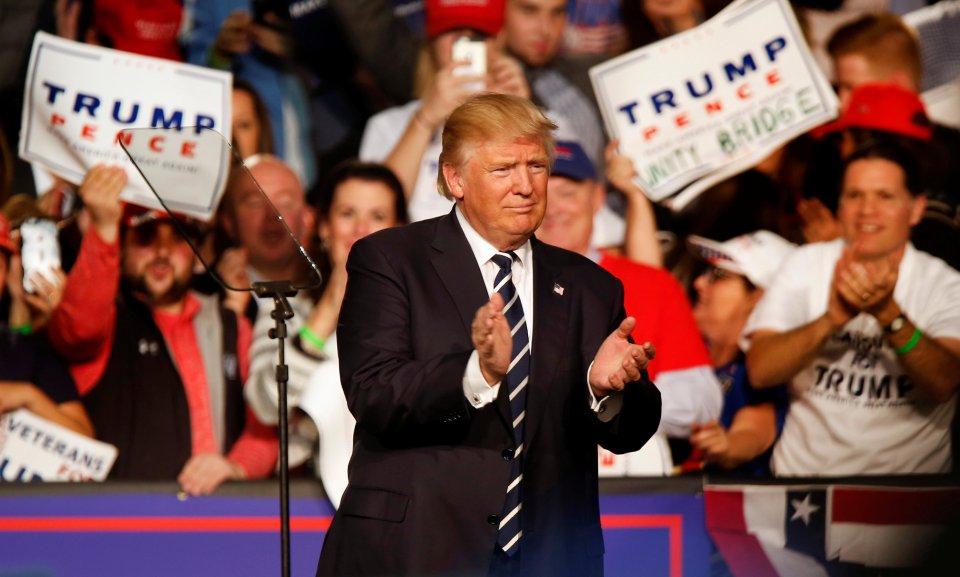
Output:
x,y
606,408
476,389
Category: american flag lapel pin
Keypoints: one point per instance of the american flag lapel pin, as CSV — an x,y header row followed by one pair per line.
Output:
x,y
558,289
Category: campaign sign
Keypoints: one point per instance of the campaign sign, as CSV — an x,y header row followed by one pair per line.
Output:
x,y
943,103
34,449
187,169
80,102
707,103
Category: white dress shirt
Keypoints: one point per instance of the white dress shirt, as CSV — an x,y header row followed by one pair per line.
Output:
x,y
475,387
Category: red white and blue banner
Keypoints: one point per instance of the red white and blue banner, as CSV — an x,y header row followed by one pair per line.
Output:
x,y
153,532
652,527
828,530
81,100
705,104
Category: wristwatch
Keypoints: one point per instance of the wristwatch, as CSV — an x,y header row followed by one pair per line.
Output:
x,y
895,325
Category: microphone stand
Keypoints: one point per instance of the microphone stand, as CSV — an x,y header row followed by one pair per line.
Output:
x,y
280,291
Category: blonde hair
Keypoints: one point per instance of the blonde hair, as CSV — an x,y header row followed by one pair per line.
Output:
x,y
491,117
884,41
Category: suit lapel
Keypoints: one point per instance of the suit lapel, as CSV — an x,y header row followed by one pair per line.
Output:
x,y
456,266
551,304
457,269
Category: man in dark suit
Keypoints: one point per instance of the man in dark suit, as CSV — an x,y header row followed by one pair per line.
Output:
x,y
483,367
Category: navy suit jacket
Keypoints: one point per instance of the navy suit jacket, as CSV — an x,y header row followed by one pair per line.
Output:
x,y
429,472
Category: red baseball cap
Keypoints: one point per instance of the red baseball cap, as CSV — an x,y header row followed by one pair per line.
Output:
x,y
6,243
135,215
886,107
482,15
148,28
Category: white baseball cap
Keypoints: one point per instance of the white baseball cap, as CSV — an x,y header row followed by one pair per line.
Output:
x,y
756,256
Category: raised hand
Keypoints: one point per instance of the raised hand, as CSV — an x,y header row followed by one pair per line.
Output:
x,y
268,37
67,15
100,191
447,93
322,320
506,76
861,286
619,361
490,333
235,36
818,223
641,243
46,296
620,171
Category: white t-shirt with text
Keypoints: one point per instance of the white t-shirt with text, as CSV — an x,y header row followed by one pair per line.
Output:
x,y
854,411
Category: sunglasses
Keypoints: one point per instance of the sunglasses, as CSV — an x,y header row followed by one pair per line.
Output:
x,y
715,274
146,234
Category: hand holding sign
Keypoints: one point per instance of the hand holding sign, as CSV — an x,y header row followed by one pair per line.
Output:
x,y
714,100
100,192
35,449
79,98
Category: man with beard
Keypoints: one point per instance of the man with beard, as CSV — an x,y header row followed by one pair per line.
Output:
x,y
159,367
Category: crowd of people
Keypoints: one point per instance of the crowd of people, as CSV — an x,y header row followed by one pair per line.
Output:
x,y
805,313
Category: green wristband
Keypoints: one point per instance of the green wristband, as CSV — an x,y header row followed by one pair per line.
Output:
x,y
311,337
24,329
910,344
214,60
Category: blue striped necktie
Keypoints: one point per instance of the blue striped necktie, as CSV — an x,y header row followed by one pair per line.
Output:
x,y
518,374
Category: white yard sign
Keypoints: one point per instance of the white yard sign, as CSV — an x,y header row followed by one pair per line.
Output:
x,y
34,449
705,104
78,98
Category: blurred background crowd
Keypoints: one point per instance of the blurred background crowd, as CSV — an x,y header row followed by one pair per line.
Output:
x,y
805,311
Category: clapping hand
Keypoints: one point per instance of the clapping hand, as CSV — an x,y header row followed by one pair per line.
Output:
x,y
491,337
860,286
619,361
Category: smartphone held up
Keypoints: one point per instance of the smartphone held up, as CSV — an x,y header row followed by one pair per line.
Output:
x,y
473,53
39,251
